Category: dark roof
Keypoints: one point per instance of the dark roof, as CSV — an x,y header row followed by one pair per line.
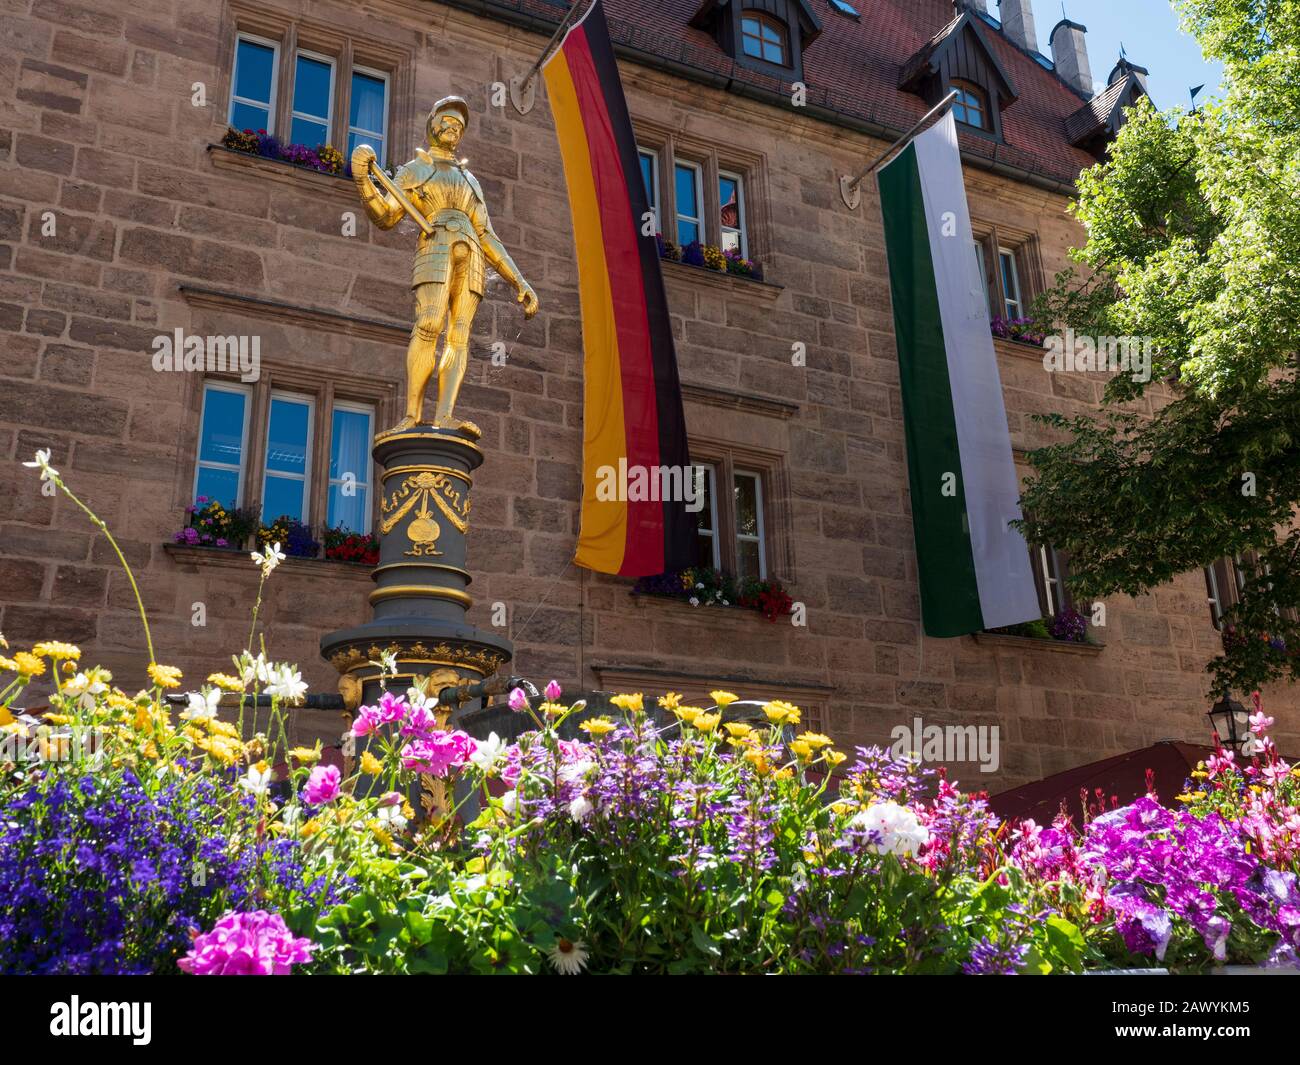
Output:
x,y
853,69
926,61
1102,112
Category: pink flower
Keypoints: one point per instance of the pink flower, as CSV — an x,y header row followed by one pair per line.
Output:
x,y
246,944
392,708
553,691
322,785
420,722
367,721
518,701
438,753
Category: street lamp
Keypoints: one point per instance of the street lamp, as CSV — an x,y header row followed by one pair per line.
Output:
x,y
1230,721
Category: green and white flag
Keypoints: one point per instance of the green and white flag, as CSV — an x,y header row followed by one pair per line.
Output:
x,y
973,567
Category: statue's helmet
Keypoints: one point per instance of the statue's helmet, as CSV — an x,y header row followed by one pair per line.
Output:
x,y
454,105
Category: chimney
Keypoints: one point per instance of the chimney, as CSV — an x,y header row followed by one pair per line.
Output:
x,y
1018,23
1070,54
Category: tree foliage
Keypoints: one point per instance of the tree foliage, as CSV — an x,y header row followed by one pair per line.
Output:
x,y
1193,241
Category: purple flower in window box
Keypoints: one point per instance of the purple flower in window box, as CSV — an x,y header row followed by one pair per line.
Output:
x,y
1069,626
693,254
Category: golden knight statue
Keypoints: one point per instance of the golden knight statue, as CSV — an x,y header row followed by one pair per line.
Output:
x,y
446,201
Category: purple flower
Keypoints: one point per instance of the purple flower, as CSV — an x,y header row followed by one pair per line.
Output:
x,y
247,944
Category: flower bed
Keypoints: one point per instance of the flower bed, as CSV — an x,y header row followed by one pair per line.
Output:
x,y
324,158
705,586
709,257
135,841
210,524
1069,626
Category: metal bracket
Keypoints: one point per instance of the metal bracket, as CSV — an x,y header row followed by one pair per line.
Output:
x,y
850,193
523,94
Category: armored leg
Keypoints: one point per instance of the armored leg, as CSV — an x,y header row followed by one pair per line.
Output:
x,y
422,353
455,356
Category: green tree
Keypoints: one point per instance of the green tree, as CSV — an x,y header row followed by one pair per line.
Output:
x,y
1193,240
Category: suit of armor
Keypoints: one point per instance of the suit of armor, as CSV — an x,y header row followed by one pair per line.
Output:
x,y
449,267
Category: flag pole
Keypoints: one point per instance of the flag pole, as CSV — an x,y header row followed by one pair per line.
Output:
x,y
849,191
522,94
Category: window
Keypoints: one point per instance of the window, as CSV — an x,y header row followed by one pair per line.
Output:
x,y
313,100
1225,583
971,105
223,440
252,94
748,512
369,115
650,179
690,196
706,530
349,494
731,218
288,446
762,37
983,276
1011,300
1051,569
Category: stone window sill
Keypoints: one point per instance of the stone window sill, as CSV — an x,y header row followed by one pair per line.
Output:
x,y
998,639
736,283
229,558
671,604
224,158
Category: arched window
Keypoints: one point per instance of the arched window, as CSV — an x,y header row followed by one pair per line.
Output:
x,y
971,106
763,37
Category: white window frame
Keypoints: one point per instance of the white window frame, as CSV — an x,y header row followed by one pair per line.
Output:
x,y
368,410
1007,300
1051,580
739,179
653,191
382,134
761,537
200,463
329,104
1215,596
711,476
698,221
275,78
310,403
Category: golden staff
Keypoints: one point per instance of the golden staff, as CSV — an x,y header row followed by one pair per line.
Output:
x,y
390,187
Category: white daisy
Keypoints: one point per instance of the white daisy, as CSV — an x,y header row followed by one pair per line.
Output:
x,y
580,808
391,818
258,780
268,559
568,957
488,753
42,463
202,705
286,684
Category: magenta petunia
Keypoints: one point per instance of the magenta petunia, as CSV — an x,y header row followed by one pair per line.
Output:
x,y
322,785
247,944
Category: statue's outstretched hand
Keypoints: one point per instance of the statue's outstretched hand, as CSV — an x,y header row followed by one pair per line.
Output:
x,y
362,156
528,298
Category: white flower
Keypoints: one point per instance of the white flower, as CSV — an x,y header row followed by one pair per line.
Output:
x,y
568,957
286,684
269,559
694,601
258,780
42,463
489,752
254,669
571,771
510,801
202,705
391,818
894,828
84,688
388,662
580,808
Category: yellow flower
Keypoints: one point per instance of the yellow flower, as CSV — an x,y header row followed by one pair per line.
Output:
x,y
801,750
306,755
370,765
721,698
55,649
164,676
380,833
226,682
6,718
309,828
687,713
8,665
815,740
834,758
57,719
671,701
841,808
549,709
1200,774
706,722
738,729
632,702
783,774
222,728
28,664
780,712
597,726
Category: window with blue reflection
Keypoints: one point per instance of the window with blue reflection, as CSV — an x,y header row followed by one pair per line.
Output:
x,y
689,220
250,95
313,90
366,120
349,494
288,442
222,435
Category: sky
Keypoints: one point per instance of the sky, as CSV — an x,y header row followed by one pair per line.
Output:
x,y
1151,37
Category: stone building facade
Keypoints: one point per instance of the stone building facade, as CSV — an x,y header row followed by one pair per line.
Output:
x,y
122,219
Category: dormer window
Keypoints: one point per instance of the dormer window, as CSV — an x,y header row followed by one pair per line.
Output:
x,y
971,106
762,37
765,35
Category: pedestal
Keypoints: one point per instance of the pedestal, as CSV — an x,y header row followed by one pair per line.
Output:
x,y
421,585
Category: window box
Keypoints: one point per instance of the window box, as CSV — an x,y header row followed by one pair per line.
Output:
x,y
224,158
707,587
736,283
1001,639
229,558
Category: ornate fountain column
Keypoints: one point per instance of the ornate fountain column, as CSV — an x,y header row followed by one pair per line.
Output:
x,y
421,585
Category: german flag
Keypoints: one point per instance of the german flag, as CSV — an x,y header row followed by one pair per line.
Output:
x,y
634,428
